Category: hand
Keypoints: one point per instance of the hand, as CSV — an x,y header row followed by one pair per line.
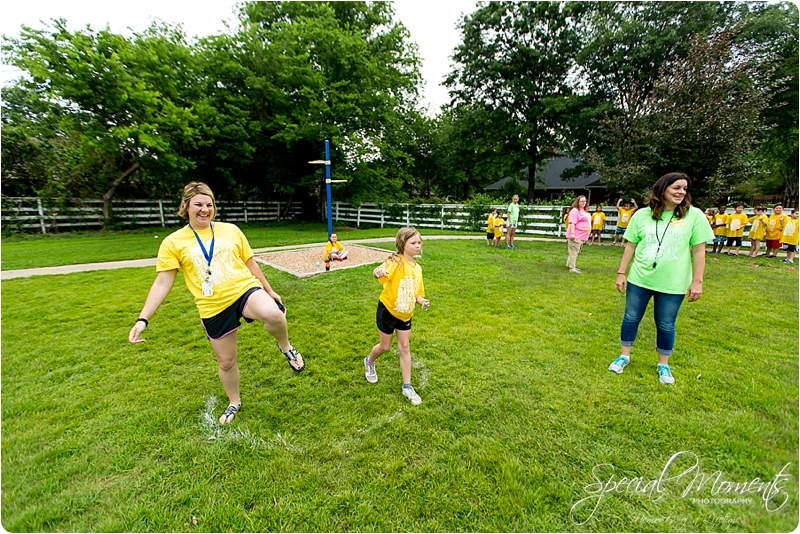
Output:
x,y
622,283
695,291
275,296
135,335
425,303
380,272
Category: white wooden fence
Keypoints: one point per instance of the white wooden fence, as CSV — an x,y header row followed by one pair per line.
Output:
x,y
48,215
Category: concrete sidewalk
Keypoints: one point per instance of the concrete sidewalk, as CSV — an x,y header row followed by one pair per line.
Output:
x,y
151,262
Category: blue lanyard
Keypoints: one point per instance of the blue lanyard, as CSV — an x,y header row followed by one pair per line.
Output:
x,y
208,254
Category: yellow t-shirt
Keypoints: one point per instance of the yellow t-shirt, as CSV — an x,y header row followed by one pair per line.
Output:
x,y
230,277
401,287
758,228
790,232
624,217
490,224
721,220
736,224
775,226
499,224
329,247
598,220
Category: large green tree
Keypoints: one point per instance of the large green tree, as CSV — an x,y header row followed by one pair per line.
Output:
x,y
702,117
114,105
514,65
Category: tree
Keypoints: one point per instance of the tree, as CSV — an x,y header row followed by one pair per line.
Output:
x,y
513,65
115,102
701,117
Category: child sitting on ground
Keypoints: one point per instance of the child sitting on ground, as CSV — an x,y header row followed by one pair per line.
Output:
x,y
334,250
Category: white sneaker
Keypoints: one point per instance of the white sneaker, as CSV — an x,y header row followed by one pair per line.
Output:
x,y
411,395
369,371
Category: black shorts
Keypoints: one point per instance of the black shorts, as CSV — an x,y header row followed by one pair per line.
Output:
x,y
388,323
791,248
734,242
490,235
228,320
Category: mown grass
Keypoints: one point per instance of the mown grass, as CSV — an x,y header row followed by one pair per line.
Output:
x,y
52,250
518,407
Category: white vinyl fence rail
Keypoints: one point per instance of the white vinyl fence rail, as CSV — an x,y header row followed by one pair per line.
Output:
x,y
49,215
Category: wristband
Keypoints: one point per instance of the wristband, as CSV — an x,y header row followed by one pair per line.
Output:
x,y
146,323
622,273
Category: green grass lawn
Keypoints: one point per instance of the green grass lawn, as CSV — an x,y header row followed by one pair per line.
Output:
x,y
518,416
52,250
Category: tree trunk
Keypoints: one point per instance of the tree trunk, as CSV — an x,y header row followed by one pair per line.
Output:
x,y
532,153
288,205
109,195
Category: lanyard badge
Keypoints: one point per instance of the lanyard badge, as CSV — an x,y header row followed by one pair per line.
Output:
x,y
208,286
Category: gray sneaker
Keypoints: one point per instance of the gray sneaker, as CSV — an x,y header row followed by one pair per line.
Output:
x,y
369,371
411,395
664,374
618,365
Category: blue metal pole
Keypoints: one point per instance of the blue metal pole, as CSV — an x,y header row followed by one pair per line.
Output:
x,y
328,185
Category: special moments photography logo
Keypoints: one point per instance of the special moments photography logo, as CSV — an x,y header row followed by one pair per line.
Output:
x,y
681,475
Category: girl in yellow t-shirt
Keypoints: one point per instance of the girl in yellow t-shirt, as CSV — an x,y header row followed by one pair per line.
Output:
x,y
499,225
401,277
790,236
598,224
334,250
227,283
758,230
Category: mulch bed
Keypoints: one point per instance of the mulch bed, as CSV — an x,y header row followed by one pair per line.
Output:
x,y
303,263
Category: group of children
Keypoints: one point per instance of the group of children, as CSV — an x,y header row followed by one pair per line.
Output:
x,y
778,230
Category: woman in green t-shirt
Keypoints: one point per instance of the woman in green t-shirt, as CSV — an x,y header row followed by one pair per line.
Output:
x,y
666,253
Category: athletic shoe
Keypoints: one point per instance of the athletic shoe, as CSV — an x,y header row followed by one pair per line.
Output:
x,y
411,395
664,374
575,270
619,365
369,371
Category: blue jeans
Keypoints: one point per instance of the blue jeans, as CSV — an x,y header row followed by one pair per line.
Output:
x,y
665,311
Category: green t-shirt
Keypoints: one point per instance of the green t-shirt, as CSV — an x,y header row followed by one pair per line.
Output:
x,y
673,271
513,213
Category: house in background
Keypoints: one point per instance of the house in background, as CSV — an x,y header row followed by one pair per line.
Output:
x,y
550,185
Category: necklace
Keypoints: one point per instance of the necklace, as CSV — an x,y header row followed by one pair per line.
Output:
x,y
661,239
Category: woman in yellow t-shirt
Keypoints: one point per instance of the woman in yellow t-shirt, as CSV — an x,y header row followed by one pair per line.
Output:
x,y
401,277
227,284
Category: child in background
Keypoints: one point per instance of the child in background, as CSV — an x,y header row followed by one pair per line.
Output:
x,y
490,227
757,230
334,250
790,237
598,224
774,231
720,230
735,229
625,214
499,224
401,277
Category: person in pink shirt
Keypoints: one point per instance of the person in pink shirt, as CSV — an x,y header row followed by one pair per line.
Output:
x,y
577,231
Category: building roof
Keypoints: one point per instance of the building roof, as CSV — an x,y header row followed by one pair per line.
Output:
x,y
550,176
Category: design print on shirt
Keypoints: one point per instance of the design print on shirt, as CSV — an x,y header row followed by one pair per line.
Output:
x,y
789,228
406,295
222,264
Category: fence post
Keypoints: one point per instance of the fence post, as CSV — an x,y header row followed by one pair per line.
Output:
x,y
358,218
245,212
442,226
278,213
41,214
408,219
337,210
383,215
161,212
